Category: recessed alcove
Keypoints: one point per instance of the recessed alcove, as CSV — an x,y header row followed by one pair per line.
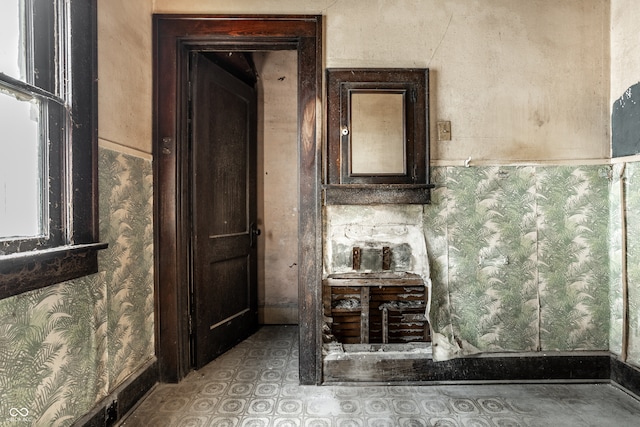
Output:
x,y
375,296
363,308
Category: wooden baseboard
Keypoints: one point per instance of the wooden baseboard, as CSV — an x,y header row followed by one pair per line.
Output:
x,y
405,368
625,375
114,407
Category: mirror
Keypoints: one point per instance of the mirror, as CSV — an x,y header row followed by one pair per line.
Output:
x,y
377,134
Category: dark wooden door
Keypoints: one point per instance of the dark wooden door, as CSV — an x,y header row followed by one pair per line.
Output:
x,y
224,292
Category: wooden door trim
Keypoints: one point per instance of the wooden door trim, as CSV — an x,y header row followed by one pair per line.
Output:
x,y
174,36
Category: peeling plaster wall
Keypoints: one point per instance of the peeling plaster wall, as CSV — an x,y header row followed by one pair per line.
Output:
x,y
370,228
278,186
125,74
519,81
625,49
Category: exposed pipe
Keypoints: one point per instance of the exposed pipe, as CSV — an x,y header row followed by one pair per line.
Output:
x,y
624,271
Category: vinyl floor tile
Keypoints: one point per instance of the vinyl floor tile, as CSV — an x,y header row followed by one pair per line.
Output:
x,y
256,384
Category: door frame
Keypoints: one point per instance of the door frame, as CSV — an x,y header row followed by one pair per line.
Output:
x,y
174,36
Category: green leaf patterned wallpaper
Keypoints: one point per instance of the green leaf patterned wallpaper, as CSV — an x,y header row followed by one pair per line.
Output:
x,y
573,257
633,259
65,347
525,266
615,259
435,229
126,223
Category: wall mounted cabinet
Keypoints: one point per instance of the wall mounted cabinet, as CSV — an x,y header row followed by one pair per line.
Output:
x,y
378,136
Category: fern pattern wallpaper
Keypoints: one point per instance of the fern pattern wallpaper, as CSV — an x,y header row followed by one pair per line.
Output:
x,y
65,347
519,258
615,258
632,198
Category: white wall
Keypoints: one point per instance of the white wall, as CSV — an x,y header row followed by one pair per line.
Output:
x,y
519,80
278,186
625,46
125,75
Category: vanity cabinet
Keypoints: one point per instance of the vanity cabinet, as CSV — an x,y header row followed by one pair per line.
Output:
x,y
363,308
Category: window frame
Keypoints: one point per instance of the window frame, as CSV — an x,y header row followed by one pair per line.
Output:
x,y
75,181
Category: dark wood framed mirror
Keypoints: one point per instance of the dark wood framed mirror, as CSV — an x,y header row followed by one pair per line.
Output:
x,y
378,136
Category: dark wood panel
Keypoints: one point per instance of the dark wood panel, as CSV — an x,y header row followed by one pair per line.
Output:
x,y
226,188
231,277
373,367
309,218
48,267
273,28
224,205
360,307
122,400
625,375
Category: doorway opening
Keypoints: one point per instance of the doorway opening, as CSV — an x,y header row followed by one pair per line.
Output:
x,y
243,149
176,37
277,79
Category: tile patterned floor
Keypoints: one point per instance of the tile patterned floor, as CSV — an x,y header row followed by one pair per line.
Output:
x,y
256,384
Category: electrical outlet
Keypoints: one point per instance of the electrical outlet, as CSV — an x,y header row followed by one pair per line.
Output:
x,y
444,131
111,414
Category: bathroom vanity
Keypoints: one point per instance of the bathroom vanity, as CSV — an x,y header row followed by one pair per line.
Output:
x,y
364,308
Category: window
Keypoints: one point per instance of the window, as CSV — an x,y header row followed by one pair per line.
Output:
x,y
48,140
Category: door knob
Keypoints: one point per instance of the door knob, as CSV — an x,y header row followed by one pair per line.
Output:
x,y
254,232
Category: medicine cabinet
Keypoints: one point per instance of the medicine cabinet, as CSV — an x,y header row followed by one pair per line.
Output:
x,y
378,136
